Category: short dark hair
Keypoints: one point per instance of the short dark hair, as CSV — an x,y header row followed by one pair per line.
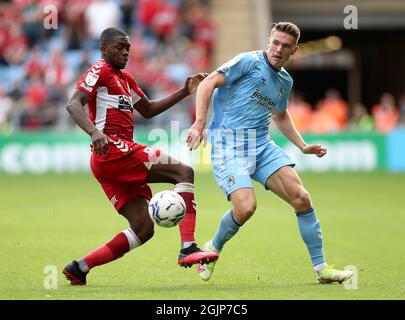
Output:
x,y
287,27
109,34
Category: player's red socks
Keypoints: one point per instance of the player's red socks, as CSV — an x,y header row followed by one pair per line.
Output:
x,y
187,226
113,249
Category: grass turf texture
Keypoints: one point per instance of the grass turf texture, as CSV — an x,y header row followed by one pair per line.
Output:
x,y
51,219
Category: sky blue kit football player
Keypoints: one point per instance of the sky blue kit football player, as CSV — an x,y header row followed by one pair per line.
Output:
x,y
246,94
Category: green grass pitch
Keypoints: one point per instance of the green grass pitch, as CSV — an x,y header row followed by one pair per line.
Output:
x,y
49,220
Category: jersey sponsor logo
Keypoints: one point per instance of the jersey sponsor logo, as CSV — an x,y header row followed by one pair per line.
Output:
x,y
91,79
125,103
263,100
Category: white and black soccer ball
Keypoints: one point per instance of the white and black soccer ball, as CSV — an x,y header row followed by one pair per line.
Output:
x,y
167,209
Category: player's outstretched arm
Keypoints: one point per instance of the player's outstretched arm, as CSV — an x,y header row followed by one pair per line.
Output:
x,y
204,94
75,108
150,108
286,125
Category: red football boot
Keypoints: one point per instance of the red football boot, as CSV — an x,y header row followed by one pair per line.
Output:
x,y
73,273
193,255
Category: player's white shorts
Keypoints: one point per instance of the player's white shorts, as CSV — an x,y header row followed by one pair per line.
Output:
x,y
233,172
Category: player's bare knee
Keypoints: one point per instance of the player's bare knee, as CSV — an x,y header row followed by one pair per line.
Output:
x,y
244,211
250,210
302,201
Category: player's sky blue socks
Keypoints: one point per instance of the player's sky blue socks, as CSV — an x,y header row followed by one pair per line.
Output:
x,y
226,230
310,230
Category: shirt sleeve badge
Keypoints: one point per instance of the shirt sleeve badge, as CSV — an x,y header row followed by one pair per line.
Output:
x,y
91,79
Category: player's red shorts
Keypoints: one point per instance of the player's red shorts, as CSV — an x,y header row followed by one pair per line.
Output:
x,y
123,170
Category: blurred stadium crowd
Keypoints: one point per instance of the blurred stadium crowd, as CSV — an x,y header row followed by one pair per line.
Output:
x,y
171,39
39,68
334,114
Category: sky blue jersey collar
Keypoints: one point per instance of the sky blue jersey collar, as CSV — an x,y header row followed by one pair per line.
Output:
x,y
268,63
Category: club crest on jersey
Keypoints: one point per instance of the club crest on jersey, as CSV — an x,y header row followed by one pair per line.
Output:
x,y
231,181
91,79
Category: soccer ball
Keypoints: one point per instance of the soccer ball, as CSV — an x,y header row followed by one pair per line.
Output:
x,y
167,209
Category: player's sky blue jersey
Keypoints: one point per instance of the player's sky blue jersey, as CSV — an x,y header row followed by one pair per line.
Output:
x,y
253,90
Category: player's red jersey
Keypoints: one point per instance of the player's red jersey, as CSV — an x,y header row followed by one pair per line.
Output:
x,y
123,171
111,104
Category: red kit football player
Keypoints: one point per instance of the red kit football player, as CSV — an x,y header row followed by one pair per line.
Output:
x,y
123,167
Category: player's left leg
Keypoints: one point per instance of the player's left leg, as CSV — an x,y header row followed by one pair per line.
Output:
x,y
139,232
286,183
169,170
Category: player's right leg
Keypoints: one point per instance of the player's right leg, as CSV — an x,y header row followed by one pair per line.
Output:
x,y
234,180
139,232
169,170
243,207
